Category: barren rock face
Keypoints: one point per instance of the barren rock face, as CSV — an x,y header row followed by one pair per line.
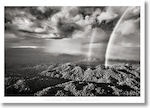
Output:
x,y
71,80
20,88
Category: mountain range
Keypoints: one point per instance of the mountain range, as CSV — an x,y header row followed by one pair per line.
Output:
x,y
71,79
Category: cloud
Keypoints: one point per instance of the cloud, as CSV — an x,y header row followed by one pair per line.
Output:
x,y
128,27
27,19
131,22
111,13
128,31
71,21
59,22
73,27
66,29
133,13
125,43
10,36
23,23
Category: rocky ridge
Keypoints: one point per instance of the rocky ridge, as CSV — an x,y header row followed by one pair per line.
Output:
x,y
71,79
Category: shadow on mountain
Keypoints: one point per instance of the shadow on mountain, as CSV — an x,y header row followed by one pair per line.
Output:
x,y
73,79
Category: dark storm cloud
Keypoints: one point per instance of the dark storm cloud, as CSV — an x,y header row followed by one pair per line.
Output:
x,y
29,20
25,23
66,29
33,13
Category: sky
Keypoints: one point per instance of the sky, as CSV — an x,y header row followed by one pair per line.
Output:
x,y
126,39
70,30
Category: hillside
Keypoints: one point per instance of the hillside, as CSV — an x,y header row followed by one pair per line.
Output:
x,y
70,79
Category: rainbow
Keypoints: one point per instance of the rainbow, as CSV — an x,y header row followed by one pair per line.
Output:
x,y
89,55
112,37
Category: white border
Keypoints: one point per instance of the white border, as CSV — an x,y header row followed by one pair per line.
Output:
x,y
140,99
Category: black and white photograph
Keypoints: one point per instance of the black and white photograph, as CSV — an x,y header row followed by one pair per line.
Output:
x,y
72,51
65,52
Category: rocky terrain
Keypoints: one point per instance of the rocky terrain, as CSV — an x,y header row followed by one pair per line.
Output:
x,y
72,79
